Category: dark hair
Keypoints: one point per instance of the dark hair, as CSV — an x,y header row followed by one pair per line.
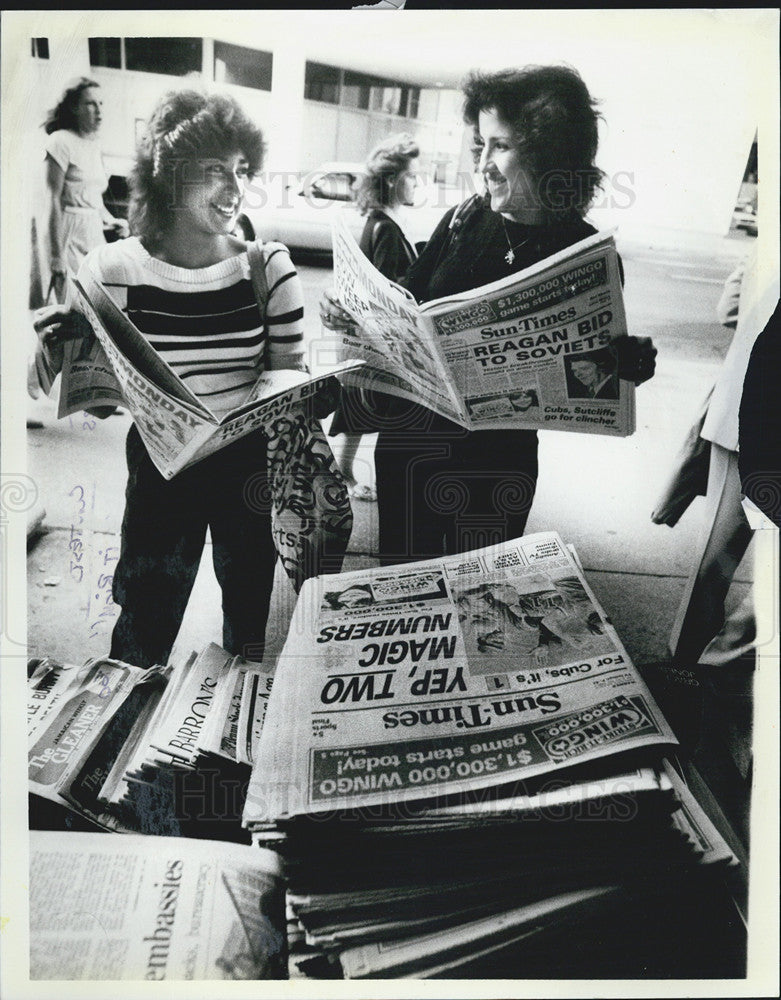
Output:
x,y
555,123
64,114
186,126
384,166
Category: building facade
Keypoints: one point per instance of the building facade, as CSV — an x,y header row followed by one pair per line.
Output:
x,y
310,111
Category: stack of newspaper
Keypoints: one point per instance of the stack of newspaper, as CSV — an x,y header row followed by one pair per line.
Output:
x,y
108,739
459,760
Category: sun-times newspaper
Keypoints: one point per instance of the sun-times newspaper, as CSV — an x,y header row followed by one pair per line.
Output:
x,y
178,429
433,954
529,351
153,908
443,676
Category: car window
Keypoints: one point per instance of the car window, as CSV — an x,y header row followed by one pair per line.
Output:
x,y
334,187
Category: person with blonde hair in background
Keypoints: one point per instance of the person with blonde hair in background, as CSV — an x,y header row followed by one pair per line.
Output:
x,y
382,194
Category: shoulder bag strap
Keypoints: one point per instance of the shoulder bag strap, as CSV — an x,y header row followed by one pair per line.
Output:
x,y
373,240
461,214
257,270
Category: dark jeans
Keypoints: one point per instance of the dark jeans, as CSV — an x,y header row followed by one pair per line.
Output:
x,y
163,535
443,490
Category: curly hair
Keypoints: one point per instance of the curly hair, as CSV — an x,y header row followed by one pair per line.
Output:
x,y
185,127
555,125
63,115
385,165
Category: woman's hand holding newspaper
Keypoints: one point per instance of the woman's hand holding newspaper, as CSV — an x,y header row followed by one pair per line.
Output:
x,y
636,358
58,323
55,325
332,315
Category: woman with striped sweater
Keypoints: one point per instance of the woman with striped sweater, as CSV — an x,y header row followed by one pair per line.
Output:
x,y
184,280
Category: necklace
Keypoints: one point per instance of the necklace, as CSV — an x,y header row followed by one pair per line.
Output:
x,y
510,255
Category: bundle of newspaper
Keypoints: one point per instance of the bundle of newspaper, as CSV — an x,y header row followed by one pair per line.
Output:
x,y
153,908
459,759
108,738
79,720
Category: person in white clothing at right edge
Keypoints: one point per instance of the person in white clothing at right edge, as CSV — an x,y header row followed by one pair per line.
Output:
x,y
714,648
698,630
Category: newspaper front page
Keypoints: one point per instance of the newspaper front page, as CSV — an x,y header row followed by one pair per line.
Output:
x,y
445,676
176,427
93,696
153,908
529,351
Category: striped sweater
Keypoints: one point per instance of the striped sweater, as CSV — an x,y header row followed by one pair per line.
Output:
x,y
205,322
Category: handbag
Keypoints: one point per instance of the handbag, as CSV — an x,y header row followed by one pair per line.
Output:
x,y
689,477
311,516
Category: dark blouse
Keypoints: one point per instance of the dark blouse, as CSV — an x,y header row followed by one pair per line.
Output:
x,y
473,252
385,245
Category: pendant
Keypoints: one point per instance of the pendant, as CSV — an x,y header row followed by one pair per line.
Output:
x,y
510,256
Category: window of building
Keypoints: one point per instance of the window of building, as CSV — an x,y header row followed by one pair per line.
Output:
x,y
105,52
360,90
357,89
242,66
410,102
321,83
173,56
40,48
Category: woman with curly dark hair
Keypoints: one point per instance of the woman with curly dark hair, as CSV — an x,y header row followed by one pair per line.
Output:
x,y
381,195
440,488
185,281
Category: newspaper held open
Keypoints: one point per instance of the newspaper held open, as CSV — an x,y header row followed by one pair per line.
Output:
x,y
529,351
177,428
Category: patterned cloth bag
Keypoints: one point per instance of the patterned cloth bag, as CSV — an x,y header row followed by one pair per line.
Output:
x,y
311,516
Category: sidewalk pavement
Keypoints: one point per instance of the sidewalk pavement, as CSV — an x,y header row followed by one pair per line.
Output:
x,y
597,492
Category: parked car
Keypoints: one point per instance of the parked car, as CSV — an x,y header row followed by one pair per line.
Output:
x,y
745,217
745,214
299,213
